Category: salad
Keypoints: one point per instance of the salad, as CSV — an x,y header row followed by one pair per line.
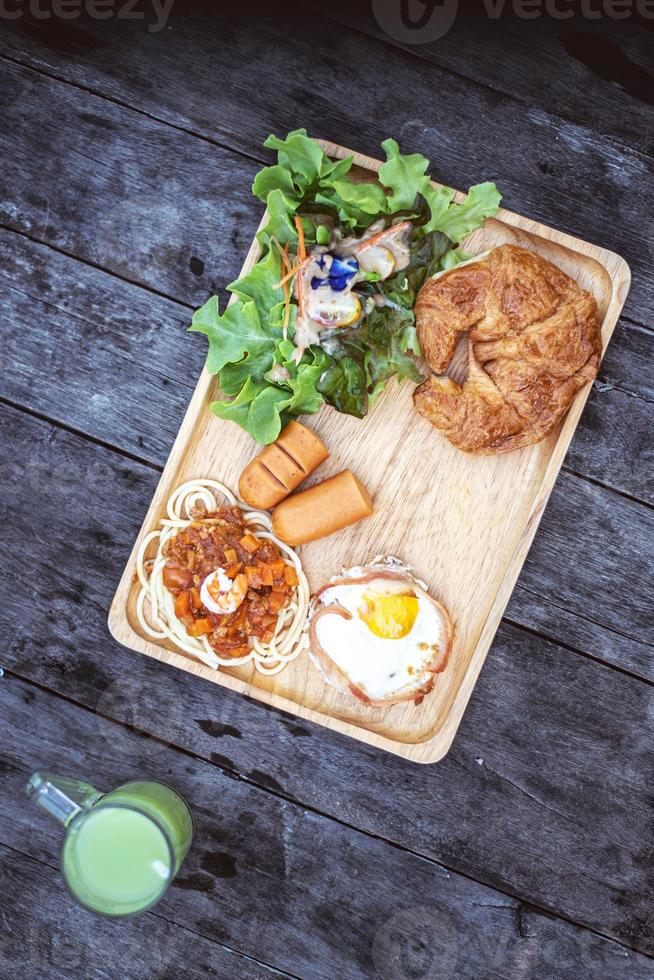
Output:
x,y
326,313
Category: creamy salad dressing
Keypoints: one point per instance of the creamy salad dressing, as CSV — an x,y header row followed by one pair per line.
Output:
x,y
279,373
324,287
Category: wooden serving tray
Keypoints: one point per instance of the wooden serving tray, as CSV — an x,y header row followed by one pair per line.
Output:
x,y
465,523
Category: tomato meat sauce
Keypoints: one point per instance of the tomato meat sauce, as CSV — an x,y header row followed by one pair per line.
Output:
x,y
221,539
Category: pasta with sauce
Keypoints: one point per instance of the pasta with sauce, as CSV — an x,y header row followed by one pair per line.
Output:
x,y
220,585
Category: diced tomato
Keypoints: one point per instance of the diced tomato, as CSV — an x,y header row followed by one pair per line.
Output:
x,y
277,601
200,627
239,651
266,573
232,570
231,556
290,575
277,567
249,543
253,576
182,604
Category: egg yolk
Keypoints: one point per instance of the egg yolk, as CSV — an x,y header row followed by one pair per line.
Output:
x,y
390,616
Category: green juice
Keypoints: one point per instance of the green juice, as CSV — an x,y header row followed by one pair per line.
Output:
x,y
120,855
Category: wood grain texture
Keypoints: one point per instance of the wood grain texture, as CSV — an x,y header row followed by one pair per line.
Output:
x,y
43,933
253,851
200,73
575,55
126,193
541,774
465,523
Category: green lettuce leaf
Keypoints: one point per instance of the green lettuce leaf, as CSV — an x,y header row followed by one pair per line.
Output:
x,y
365,358
368,198
302,379
237,335
259,284
265,416
455,256
382,338
482,201
300,155
404,175
277,178
426,257
439,200
344,385
335,169
236,410
281,211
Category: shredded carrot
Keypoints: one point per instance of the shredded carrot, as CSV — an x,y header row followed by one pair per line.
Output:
x,y
287,289
301,250
292,272
382,234
283,253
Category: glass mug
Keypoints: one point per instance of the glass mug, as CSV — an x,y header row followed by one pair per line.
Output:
x,y
121,850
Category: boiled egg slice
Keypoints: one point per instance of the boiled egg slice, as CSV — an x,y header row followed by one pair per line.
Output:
x,y
377,258
331,308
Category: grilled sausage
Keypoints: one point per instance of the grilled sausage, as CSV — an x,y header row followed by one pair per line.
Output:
x,y
322,509
281,467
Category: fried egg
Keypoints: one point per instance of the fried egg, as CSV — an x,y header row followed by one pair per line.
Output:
x,y
376,632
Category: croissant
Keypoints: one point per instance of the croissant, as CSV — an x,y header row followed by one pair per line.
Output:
x,y
534,341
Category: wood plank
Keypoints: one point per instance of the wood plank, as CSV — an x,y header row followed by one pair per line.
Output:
x,y
560,803
115,361
562,565
193,77
138,198
278,882
43,933
550,63
94,352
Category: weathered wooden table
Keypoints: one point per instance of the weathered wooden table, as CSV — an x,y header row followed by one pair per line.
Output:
x,y
127,160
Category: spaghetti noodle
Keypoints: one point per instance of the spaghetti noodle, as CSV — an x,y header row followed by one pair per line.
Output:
x,y
155,604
